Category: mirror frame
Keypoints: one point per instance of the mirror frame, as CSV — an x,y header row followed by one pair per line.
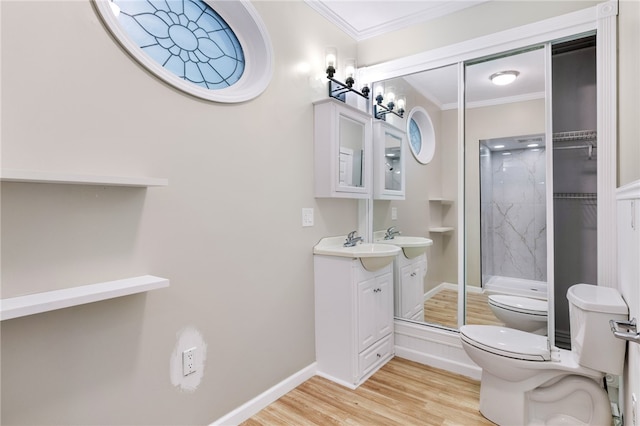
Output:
x,y
601,19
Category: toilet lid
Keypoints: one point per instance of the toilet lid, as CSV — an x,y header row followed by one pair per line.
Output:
x,y
507,342
520,304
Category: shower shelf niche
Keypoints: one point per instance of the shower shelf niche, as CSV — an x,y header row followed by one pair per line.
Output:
x,y
36,303
440,204
30,176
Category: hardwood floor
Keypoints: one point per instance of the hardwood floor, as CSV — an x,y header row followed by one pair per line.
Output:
x,y
400,393
442,309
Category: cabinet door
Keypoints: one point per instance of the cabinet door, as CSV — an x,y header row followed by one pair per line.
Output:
x,y
384,305
366,325
411,291
342,151
389,173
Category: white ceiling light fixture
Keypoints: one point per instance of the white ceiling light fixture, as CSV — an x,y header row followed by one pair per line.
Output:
x,y
503,78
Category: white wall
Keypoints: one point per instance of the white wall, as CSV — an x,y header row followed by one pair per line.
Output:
x,y
72,100
226,231
629,91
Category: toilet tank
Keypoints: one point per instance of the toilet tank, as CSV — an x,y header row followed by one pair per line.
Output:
x,y
592,342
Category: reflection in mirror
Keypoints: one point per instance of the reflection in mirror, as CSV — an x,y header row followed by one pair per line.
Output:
x,y
393,163
505,215
351,148
427,292
513,235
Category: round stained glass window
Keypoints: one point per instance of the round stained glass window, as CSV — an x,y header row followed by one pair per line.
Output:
x,y
191,46
186,37
422,137
415,138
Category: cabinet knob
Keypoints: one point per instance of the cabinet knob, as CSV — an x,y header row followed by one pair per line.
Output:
x,y
413,274
379,356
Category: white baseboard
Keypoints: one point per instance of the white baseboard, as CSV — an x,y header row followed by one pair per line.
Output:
x,y
252,407
441,363
435,347
442,286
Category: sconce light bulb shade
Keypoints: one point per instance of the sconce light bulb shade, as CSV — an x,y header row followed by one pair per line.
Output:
x,y
350,71
503,78
331,60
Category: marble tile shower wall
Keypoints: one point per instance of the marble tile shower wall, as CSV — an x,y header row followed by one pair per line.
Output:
x,y
513,213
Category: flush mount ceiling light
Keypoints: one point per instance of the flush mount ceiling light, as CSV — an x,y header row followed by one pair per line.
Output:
x,y
503,78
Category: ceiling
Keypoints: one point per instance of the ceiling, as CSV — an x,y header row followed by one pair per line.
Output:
x,y
363,19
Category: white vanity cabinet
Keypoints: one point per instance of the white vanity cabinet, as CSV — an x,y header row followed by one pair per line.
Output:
x,y
389,161
354,319
409,288
342,150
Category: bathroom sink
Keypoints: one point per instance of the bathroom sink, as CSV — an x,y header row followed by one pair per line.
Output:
x,y
373,256
411,246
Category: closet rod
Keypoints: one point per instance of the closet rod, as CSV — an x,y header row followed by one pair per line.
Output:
x,y
575,136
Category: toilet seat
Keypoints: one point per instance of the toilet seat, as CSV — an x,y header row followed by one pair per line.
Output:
x,y
523,305
507,342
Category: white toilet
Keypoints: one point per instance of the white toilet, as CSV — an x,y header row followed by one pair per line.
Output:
x,y
525,382
521,313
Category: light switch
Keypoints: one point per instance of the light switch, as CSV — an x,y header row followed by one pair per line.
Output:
x,y
394,213
307,216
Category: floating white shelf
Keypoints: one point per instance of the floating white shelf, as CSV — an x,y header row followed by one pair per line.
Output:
x,y
441,200
441,229
29,176
58,299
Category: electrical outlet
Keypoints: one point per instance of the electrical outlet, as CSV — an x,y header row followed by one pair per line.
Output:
x,y
394,213
189,361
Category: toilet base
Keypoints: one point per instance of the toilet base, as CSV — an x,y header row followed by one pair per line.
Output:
x,y
573,399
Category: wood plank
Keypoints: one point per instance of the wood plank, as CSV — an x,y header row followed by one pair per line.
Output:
x,y
442,308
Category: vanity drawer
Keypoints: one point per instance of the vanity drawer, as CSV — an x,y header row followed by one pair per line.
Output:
x,y
376,354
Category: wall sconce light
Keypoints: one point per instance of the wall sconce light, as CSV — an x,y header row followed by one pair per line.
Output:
x,y
503,78
338,89
380,110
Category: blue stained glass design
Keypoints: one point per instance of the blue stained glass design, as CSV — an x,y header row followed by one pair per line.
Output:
x,y
187,37
415,137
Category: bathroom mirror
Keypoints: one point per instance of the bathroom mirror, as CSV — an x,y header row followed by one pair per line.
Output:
x,y
351,136
505,173
389,149
393,172
430,205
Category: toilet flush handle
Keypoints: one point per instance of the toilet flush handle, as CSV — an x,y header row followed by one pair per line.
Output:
x,y
631,334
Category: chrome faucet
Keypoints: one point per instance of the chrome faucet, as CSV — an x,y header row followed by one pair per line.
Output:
x,y
391,232
352,240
